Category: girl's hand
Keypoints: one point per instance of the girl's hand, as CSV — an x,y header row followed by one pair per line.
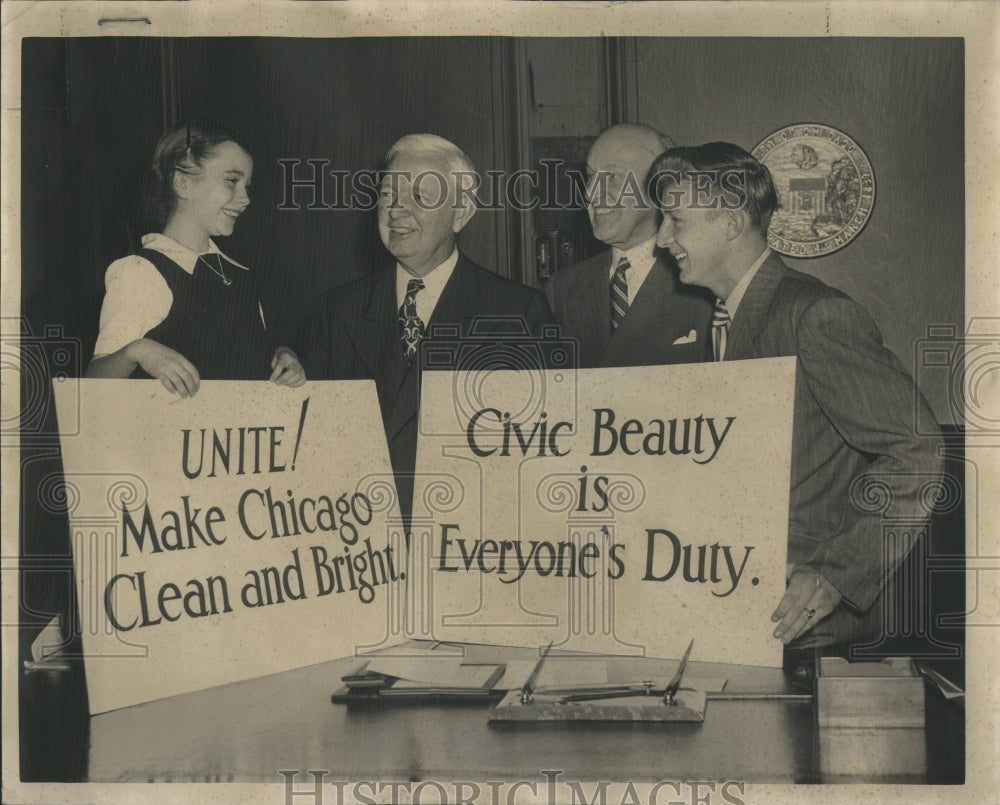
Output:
x,y
177,374
286,369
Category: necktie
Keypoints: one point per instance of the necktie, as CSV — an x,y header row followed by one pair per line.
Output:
x,y
411,328
720,329
619,293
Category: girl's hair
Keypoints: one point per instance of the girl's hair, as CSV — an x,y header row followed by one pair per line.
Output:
x,y
182,148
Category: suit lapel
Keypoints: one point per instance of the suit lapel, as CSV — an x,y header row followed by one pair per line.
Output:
x,y
407,399
651,308
752,312
454,303
596,319
373,332
591,299
375,335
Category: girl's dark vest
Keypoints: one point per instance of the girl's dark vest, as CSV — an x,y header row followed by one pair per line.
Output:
x,y
217,327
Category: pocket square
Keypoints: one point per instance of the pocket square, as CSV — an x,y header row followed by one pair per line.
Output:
x,y
690,338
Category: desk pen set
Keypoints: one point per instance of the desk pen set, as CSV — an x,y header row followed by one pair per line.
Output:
x,y
644,700
449,681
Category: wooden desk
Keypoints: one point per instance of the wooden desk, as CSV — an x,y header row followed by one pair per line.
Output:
x,y
249,731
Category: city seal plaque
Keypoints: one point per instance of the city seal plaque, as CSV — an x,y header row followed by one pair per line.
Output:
x,y
826,189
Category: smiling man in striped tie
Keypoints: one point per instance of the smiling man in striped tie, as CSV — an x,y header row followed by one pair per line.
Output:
x,y
625,307
854,402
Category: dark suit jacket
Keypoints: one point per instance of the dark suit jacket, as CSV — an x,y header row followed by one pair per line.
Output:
x,y
662,312
354,335
854,421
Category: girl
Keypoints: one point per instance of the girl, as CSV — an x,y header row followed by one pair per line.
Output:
x,y
179,310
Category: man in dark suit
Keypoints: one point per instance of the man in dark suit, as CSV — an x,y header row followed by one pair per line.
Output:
x,y
379,326
625,307
854,402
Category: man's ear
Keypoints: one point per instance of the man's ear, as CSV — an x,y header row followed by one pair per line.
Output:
x,y
736,223
463,215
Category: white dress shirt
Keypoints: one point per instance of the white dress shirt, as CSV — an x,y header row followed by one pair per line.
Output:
x,y
642,258
434,282
137,298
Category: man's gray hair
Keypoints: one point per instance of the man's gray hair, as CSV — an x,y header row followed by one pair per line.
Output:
x,y
432,145
651,140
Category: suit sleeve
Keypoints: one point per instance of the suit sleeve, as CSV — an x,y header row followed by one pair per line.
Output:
x,y
538,313
313,342
871,401
549,289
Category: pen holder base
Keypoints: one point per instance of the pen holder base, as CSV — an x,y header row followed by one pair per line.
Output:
x,y
689,706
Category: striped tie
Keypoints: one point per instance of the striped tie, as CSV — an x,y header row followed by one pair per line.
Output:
x,y
619,293
720,329
411,328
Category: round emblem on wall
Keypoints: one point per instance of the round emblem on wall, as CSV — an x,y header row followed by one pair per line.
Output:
x,y
826,189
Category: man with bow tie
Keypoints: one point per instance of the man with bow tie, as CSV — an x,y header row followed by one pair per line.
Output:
x,y
624,306
380,326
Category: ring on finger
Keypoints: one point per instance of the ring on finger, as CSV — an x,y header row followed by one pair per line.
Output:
x,y
810,613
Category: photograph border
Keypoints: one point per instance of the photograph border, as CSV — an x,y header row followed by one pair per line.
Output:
x,y
975,22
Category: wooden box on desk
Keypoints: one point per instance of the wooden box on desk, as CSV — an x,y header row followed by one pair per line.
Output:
x,y
885,694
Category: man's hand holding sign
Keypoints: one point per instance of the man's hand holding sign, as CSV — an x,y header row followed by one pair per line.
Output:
x,y
808,599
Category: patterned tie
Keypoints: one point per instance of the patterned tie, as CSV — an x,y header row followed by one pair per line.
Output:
x,y
411,328
720,329
619,293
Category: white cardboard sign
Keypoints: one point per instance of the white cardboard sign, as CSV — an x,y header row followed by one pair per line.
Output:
x,y
568,507
226,536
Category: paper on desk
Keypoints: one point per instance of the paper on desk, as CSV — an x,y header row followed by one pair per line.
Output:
x,y
570,671
413,648
560,671
48,642
444,672
947,688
